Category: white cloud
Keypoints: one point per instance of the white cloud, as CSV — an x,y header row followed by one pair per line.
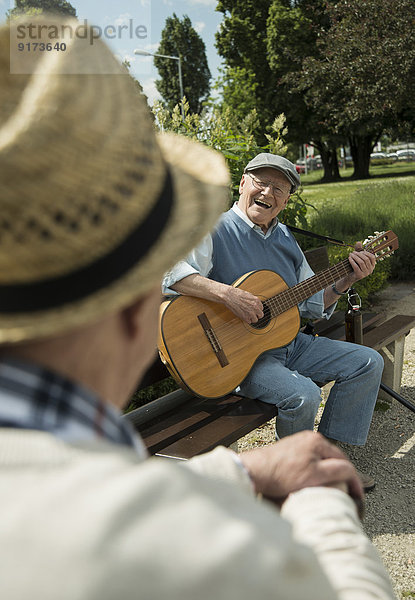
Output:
x,y
150,47
150,90
123,19
199,26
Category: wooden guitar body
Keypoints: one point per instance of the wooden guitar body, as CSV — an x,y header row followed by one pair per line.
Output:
x,y
208,349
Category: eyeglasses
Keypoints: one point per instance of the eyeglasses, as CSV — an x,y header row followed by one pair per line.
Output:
x,y
261,184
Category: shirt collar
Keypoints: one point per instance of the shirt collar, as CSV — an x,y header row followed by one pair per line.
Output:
x,y
247,220
33,397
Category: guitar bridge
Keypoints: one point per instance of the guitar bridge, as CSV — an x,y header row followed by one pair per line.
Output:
x,y
213,340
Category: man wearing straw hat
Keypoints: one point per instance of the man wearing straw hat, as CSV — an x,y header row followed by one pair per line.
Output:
x,y
93,210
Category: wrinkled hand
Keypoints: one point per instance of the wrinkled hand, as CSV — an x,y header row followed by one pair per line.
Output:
x,y
362,262
305,459
244,305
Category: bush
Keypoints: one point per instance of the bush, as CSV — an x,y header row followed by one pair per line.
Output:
x,y
236,140
152,392
366,288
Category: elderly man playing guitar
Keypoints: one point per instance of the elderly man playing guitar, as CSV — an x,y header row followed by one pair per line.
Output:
x,y
249,237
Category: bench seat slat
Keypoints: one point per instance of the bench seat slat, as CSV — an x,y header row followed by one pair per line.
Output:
x,y
387,332
202,423
245,416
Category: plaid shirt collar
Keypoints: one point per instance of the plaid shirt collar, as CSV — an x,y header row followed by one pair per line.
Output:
x,y
32,397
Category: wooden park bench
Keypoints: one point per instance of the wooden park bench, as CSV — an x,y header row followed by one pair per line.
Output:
x,y
180,425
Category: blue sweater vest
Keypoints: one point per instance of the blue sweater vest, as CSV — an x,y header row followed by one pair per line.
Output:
x,y
238,249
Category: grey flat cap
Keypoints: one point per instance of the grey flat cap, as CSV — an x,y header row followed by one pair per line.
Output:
x,y
266,159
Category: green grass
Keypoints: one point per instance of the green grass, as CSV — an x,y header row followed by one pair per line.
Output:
x,y
351,210
393,170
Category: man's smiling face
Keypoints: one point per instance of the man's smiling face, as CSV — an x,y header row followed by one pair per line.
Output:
x,y
260,202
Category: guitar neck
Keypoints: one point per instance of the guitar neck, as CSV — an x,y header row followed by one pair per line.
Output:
x,y
293,296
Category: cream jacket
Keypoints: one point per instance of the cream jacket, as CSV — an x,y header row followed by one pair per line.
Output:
x,y
95,523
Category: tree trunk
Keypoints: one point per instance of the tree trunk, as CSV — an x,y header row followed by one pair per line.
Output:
x,y
360,149
329,160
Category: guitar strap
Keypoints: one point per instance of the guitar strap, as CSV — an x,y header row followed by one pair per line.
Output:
x,y
316,235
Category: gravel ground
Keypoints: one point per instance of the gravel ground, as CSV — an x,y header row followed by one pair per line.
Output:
x,y
389,456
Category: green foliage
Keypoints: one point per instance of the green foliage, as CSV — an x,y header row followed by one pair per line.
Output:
x,y
238,88
37,7
359,83
236,140
242,42
353,213
179,38
152,392
341,71
262,43
367,287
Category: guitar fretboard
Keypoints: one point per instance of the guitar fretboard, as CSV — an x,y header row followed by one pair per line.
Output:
x,y
292,296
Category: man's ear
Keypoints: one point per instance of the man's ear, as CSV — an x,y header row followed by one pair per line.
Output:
x,y
241,183
131,318
141,314
286,201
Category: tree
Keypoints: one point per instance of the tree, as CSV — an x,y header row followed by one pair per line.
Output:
x,y
262,43
236,140
179,38
342,71
293,29
362,80
39,6
248,81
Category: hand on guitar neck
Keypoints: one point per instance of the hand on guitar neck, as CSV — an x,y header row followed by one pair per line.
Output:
x,y
362,262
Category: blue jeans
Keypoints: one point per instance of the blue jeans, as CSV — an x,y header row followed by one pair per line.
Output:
x,y
285,377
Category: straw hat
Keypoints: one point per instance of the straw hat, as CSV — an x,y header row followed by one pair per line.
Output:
x,y
93,207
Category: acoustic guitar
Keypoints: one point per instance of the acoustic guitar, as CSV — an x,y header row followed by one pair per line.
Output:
x,y
210,351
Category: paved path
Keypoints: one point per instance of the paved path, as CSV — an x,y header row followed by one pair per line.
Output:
x,y
389,456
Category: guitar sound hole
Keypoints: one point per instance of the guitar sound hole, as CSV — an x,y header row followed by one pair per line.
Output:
x,y
263,321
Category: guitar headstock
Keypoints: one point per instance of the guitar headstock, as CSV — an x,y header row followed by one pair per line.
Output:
x,y
382,244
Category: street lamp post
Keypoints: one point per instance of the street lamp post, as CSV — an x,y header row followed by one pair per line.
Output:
x,y
179,64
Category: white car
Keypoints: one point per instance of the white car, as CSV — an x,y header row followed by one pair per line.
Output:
x,y
377,155
408,154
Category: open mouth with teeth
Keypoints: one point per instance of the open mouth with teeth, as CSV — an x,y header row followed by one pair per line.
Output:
x,y
262,203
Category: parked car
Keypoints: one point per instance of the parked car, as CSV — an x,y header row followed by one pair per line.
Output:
x,y
392,156
408,154
377,156
313,163
300,166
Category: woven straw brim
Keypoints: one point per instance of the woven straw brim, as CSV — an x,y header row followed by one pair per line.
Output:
x,y
81,172
199,200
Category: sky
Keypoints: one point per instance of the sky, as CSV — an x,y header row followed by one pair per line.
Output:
x,y
130,24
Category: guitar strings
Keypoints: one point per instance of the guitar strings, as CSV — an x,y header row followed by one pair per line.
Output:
x,y
286,299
